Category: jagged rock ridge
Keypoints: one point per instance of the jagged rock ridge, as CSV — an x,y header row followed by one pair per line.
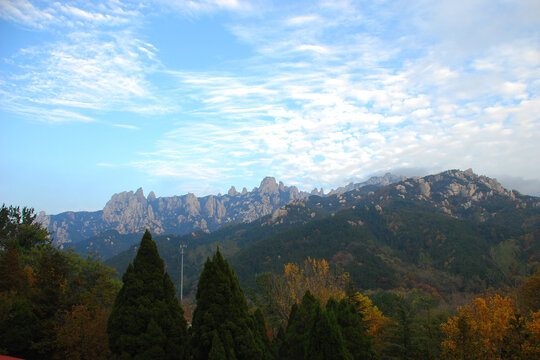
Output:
x,y
459,193
130,212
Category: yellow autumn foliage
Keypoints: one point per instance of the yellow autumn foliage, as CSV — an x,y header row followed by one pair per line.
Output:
x,y
491,328
317,276
373,317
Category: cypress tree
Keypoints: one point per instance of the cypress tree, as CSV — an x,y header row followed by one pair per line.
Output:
x,y
352,328
146,321
325,339
222,310
296,341
315,333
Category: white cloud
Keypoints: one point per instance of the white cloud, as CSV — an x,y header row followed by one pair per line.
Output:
x,y
126,126
366,86
87,71
374,103
24,12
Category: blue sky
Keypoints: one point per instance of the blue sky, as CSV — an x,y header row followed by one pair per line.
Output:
x,y
195,96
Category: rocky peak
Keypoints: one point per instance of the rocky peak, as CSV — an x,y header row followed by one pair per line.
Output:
x,y
269,186
459,193
232,191
151,196
139,194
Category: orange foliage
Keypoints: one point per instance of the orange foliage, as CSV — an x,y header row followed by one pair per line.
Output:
x,y
490,328
532,345
373,317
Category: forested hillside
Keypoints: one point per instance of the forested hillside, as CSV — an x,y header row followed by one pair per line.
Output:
x,y
456,232
58,305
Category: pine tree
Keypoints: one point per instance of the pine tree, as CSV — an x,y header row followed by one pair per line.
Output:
x,y
222,310
146,321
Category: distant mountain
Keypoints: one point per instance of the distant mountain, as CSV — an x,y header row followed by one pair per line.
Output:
x,y
106,244
384,180
129,212
455,232
467,229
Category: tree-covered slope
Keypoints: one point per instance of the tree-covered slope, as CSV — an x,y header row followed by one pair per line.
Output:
x,y
454,231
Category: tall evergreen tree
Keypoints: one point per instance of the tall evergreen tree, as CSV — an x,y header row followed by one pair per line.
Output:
x,y
222,326
296,341
146,321
352,328
325,339
315,333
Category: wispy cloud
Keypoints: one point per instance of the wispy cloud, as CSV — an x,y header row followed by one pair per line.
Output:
x,y
89,69
126,126
334,95
331,90
67,14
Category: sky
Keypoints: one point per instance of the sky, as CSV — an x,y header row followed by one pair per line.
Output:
x,y
99,97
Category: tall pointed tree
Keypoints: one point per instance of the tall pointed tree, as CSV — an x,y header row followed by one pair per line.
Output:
x,y
146,321
222,326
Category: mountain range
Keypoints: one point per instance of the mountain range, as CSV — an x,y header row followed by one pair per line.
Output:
x,y
454,232
132,212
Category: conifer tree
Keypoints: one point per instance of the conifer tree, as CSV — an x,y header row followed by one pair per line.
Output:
x,y
353,329
296,340
325,339
315,333
146,321
222,311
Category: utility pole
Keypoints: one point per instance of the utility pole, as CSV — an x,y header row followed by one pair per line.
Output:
x,y
182,246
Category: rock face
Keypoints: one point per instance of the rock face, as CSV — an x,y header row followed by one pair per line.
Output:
x,y
453,192
458,193
130,212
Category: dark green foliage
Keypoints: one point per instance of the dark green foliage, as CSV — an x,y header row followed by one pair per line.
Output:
x,y
415,332
146,321
315,333
325,338
11,270
261,334
40,285
18,326
296,341
19,226
222,310
352,328
217,352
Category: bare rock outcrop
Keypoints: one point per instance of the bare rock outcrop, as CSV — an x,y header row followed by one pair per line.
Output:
x,y
130,212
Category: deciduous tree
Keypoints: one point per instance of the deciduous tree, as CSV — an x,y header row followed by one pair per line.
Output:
x,y
281,291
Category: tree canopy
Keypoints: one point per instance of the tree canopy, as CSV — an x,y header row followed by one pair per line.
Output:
x,y
147,321
222,326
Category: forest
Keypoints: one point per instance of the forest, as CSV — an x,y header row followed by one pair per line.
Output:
x,y
60,305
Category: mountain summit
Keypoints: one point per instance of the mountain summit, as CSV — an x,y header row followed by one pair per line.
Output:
x,y
129,212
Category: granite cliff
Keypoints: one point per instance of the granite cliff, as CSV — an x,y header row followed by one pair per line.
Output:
x,y
132,212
